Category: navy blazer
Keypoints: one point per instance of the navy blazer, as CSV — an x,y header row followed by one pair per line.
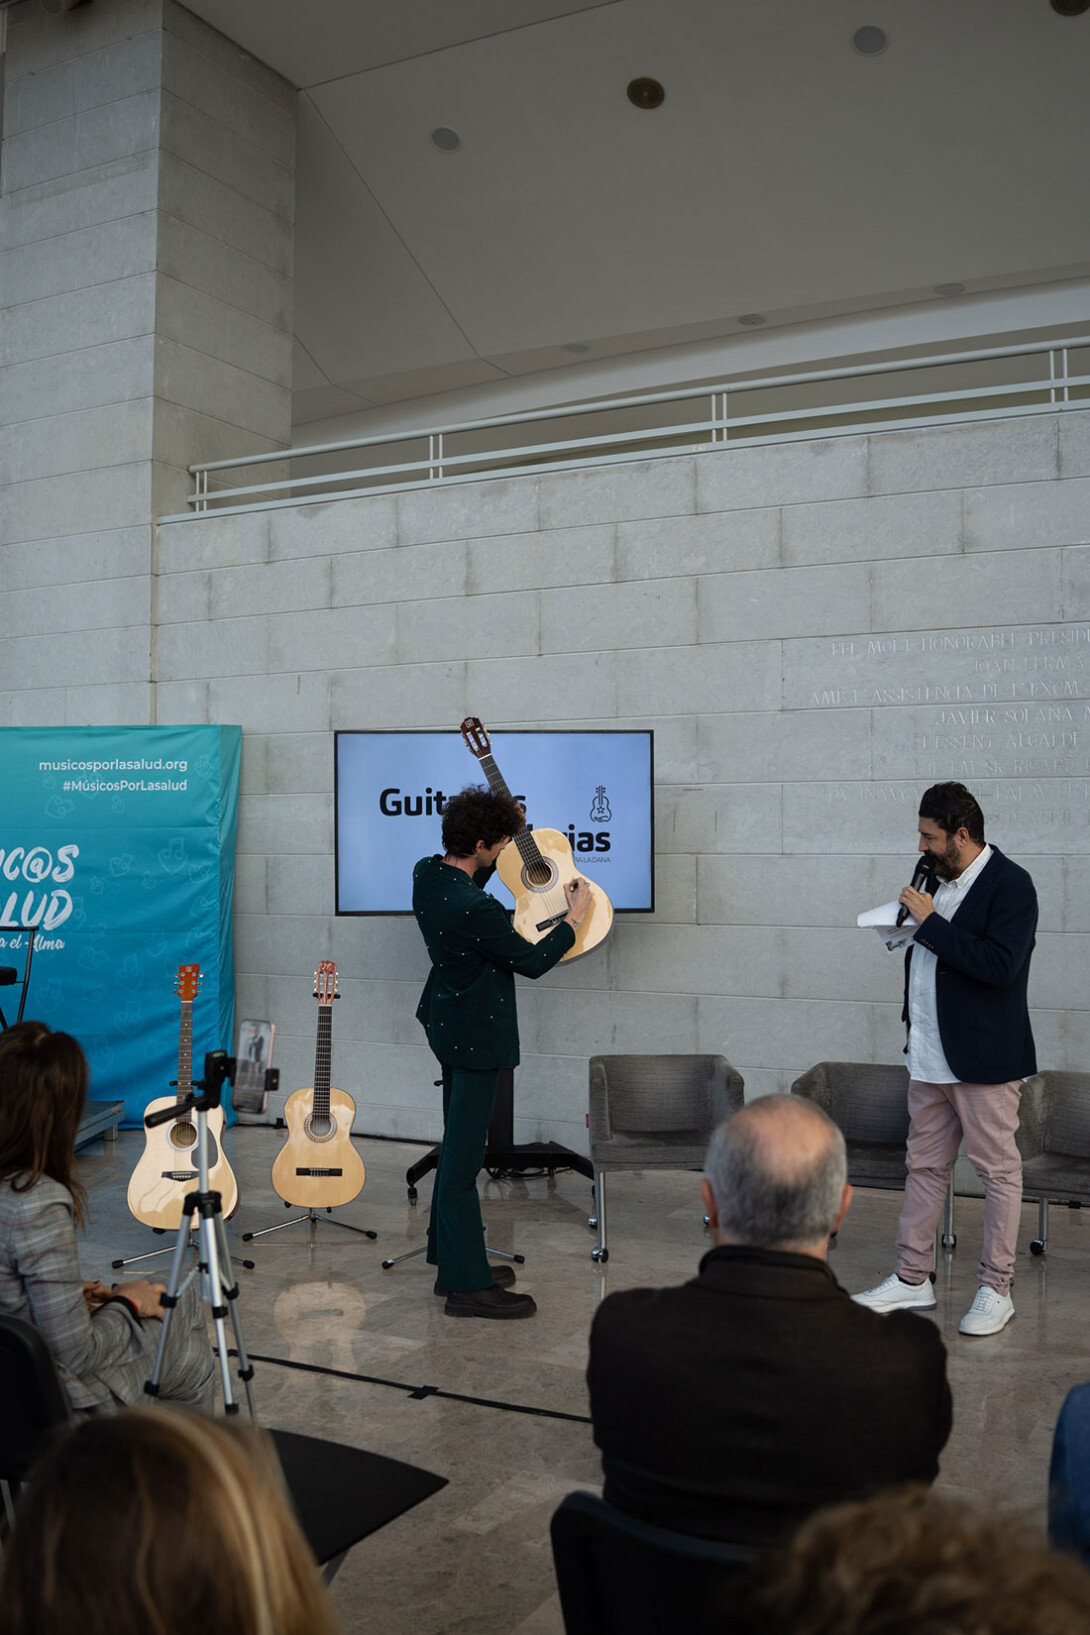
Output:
x,y
983,974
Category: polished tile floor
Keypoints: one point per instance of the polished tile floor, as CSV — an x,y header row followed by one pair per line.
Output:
x,y
476,1558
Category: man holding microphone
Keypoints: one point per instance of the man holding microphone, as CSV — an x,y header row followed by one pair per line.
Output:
x,y
969,1048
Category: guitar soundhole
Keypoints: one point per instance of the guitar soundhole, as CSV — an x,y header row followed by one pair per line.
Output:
x,y
320,1129
539,876
183,1135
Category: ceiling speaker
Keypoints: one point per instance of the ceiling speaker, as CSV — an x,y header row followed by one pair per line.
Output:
x,y
646,93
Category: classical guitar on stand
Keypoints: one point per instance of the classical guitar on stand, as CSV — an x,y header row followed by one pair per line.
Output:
x,y
536,867
168,1166
318,1167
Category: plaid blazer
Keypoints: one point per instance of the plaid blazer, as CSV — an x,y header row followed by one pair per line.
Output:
x,y
103,1360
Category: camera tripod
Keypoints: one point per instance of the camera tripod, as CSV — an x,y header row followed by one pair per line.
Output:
x,y
213,1253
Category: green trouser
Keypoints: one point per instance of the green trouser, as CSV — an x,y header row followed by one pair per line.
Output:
x,y
456,1232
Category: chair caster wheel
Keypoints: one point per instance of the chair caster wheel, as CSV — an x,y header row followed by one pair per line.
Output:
x,y
386,1265
412,1195
250,1265
247,1237
600,1255
117,1264
1037,1247
592,1222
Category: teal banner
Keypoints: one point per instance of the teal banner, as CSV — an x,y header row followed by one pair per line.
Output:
x,y
118,844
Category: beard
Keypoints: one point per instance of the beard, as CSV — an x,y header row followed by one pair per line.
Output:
x,y
945,864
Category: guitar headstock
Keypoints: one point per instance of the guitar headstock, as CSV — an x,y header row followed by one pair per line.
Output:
x,y
325,982
476,738
187,984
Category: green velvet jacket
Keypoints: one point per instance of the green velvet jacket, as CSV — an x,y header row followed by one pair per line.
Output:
x,y
468,1004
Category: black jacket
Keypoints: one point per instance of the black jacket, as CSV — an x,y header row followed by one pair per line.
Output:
x,y
468,1003
735,1405
982,975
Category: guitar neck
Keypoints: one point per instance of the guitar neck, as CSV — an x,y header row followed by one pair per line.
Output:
x,y
496,781
523,838
185,1049
323,1054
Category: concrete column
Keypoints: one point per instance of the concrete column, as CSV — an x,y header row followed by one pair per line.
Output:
x,y
146,205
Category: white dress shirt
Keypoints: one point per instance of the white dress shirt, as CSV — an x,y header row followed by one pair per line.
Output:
x,y
926,1059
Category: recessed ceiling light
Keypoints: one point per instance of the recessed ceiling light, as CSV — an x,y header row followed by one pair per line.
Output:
x,y
955,289
646,94
870,42
446,140
576,346
753,320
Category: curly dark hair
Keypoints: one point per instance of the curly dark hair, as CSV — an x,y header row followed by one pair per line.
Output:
x,y
951,806
477,814
911,1563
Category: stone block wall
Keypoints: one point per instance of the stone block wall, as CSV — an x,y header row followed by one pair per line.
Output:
x,y
815,630
145,323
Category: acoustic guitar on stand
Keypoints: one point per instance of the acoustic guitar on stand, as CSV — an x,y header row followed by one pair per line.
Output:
x,y
168,1166
536,867
318,1167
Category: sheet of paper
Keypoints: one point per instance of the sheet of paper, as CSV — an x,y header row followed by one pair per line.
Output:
x,y
884,921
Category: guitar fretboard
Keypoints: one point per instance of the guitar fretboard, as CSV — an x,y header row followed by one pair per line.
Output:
x,y
537,870
185,1055
323,1052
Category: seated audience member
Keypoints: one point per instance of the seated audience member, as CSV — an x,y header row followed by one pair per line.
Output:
x,y
735,1405
154,1521
912,1563
1069,1476
103,1340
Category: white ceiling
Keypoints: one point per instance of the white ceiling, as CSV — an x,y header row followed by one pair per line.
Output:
x,y
784,174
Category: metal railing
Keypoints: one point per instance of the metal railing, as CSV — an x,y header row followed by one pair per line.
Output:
x,y
788,408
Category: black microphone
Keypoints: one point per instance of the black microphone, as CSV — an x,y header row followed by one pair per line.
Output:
x,y
924,866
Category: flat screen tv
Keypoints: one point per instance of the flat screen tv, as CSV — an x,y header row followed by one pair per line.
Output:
x,y
597,787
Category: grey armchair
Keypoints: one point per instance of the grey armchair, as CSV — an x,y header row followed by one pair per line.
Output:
x,y
1054,1140
868,1101
654,1112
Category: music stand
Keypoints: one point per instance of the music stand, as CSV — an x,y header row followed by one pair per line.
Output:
x,y
9,976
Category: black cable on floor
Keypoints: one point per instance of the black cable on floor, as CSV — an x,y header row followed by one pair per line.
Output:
x,y
418,1392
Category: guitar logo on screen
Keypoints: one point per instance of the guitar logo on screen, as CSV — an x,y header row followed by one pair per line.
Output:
x,y
600,811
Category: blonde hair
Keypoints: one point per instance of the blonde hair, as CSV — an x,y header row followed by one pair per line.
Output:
x,y
160,1522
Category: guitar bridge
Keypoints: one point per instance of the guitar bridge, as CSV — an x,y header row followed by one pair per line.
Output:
x,y
555,919
319,1172
179,1175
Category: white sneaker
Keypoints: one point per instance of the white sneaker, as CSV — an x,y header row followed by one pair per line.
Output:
x,y
893,1295
988,1313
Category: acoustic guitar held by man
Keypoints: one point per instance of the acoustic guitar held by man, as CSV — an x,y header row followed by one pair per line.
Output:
x,y
468,1011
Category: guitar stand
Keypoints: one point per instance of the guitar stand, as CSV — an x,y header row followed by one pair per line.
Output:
x,y
315,1219
422,1249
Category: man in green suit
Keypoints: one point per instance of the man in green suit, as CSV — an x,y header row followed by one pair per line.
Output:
x,y
468,1010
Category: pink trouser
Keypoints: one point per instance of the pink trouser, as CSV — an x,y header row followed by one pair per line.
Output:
x,y
987,1116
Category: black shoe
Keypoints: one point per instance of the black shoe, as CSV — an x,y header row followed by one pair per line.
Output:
x,y
502,1278
488,1303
